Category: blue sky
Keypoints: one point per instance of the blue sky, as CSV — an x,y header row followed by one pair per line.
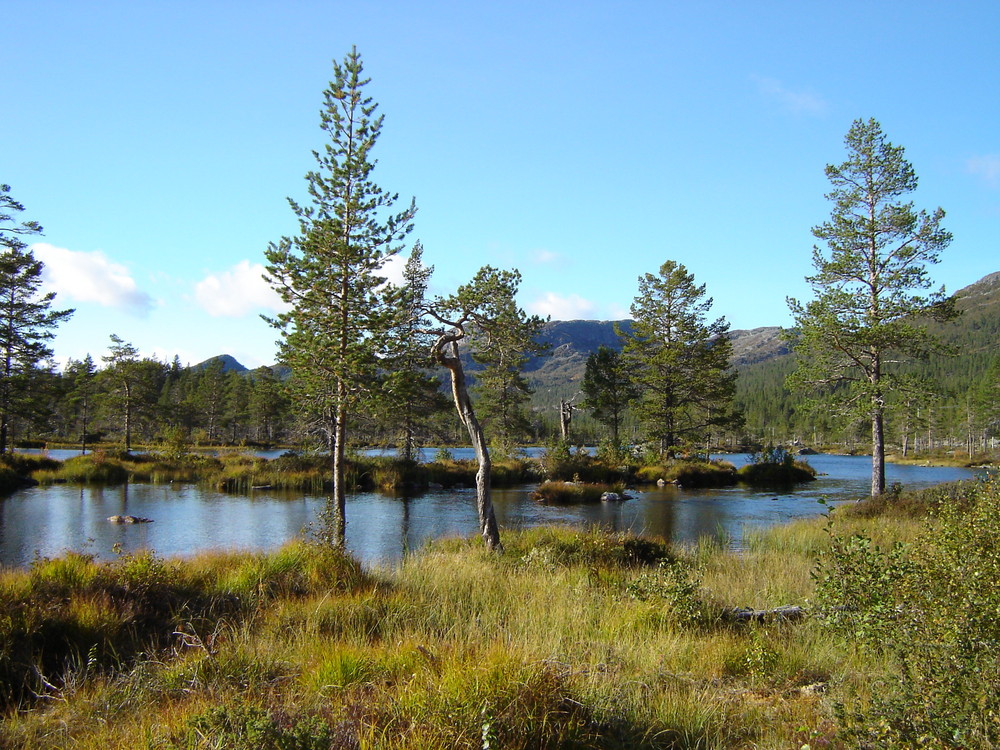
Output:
x,y
583,143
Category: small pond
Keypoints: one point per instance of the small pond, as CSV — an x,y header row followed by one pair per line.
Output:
x,y
48,521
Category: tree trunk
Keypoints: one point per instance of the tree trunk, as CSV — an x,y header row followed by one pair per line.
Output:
x,y
128,418
459,390
565,417
878,453
83,437
338,500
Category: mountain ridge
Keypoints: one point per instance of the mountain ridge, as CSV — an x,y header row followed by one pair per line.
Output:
x,y
558,373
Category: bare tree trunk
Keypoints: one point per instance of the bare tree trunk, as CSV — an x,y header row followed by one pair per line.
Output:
x,y
463,403
339,491
128,417
878,454
565,417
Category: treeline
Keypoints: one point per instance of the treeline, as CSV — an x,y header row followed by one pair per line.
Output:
x,y
169,404
132,400
953,403
127,400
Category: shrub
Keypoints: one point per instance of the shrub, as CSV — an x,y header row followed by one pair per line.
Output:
x,y
931,609
675,584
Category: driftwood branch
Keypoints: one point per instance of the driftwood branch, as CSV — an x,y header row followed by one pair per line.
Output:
x,y
747,614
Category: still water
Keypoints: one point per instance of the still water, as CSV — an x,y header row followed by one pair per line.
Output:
x,y
49,521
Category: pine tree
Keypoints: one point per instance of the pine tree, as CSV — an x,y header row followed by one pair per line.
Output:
x,y
869,308
81,386
26,318
680,362
411,395
268,404
502,391
330,273
132,388
608,390
482,309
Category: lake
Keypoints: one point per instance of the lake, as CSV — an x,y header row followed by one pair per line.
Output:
x,y
49,521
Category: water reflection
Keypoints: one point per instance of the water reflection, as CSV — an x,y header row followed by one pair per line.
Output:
x,y
186,518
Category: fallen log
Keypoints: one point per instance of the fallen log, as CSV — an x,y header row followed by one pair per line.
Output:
x,y
748,614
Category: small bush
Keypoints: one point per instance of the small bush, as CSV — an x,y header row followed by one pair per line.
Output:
x,y
676,585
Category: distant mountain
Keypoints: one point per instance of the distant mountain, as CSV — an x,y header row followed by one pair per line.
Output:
x,y
757,345
559,373
229,364
974,339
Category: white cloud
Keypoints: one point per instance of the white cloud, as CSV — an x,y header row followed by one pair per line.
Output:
x,y
546,256
237,291
617,312
798,102
987,167
392,269
556,307
90,277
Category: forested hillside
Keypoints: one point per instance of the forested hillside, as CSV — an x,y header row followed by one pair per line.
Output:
x,y
955,403
763,359
951,401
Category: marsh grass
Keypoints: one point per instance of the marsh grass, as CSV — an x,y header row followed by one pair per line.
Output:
x,y
689,472
563,493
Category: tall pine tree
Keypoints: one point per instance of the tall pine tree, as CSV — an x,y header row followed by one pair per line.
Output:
x,y
26,318
869,308
608,389
330,273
